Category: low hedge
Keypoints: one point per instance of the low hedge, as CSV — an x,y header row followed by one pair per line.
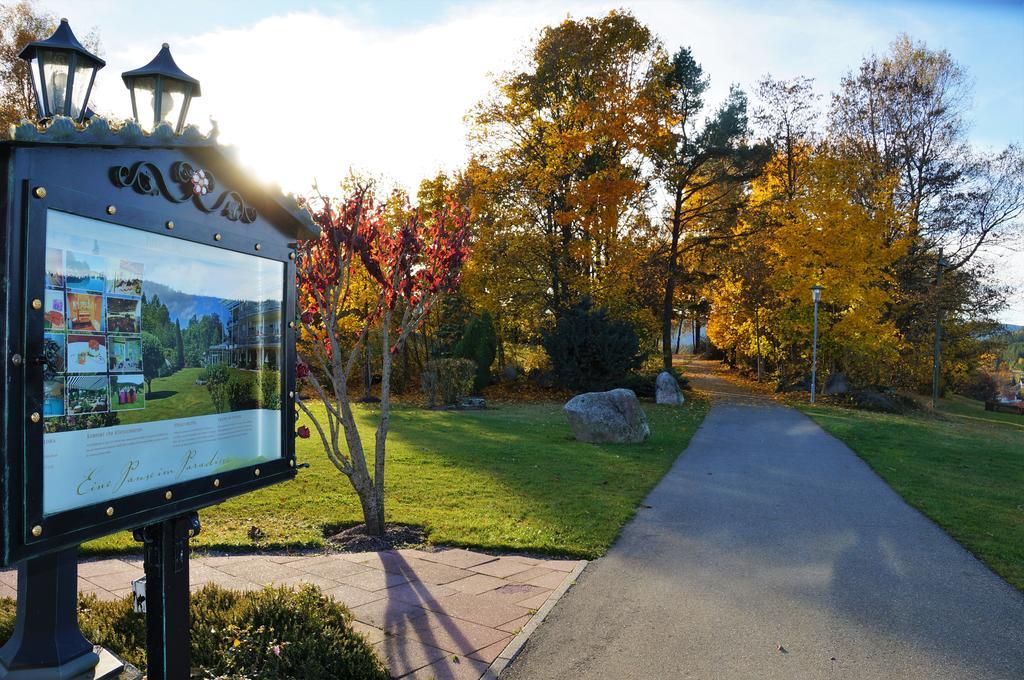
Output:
x,y
271,634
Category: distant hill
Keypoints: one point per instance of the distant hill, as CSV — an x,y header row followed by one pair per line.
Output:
x,y
1012,327
183,306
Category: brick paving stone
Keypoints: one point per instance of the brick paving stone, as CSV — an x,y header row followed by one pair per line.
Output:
x,y
458,637
417,592
502,567
451,669
299,580
103,567
332,568
515,626
457,557
218,561
536,602
371,634
491,652
387,614
230,582
552,580
115,581
532,561
382,559
351,597
517,592
483,609
101,594
476,584
9,577
8,591
562,565
430,572
403,655
530,574
261,573
373,579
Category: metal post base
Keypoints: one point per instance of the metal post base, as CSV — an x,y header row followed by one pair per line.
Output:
x,y
47,643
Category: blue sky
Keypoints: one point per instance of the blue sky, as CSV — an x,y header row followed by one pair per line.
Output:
x,y
384,86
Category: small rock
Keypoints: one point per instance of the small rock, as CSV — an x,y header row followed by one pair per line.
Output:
x,y
782,649
666,389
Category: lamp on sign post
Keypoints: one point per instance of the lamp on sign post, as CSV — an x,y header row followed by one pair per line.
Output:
x,y
161,92
816,293
942,264
62,73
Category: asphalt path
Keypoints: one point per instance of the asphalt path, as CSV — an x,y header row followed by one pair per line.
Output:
x,y
770,550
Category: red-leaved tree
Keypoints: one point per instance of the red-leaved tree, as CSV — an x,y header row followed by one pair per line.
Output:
x,y
407,262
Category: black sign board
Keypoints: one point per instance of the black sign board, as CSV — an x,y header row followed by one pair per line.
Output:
x,y
133,266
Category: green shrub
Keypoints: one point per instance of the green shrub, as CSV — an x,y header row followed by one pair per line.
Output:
x,y
269,389
272,634
480,344
446,382
242,393
216,377
590,351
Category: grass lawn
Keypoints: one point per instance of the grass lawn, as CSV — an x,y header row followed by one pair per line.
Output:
x,y
176,396
511,477
965,470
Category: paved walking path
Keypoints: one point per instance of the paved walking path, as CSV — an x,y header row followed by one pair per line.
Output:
x,y
431,615
771,551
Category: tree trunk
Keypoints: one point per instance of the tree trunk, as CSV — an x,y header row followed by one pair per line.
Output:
x,y
670,282
679,335
373,510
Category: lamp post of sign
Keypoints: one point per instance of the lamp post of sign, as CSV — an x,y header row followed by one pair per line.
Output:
x,y
816,293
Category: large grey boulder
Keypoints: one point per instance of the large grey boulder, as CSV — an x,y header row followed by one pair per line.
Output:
x,y
666,389
613,416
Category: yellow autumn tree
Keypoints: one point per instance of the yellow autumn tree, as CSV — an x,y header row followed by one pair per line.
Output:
x,y
831,237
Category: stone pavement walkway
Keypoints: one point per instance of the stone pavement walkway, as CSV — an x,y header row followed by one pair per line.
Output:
x,y
441,615
771,551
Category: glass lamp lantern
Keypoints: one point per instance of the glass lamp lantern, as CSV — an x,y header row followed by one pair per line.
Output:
x,y
161,92
62,73
816,293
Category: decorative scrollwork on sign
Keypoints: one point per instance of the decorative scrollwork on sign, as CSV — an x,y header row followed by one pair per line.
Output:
x,y
194,184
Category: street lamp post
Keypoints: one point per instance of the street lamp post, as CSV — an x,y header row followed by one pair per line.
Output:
x,y
816,292
940,266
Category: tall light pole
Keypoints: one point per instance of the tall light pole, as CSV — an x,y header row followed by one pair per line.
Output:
x,y
941,265
816,292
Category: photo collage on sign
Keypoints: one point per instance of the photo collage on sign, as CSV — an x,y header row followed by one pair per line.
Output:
x,y
92,317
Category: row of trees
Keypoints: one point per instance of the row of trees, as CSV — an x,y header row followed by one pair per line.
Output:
x,y
600,172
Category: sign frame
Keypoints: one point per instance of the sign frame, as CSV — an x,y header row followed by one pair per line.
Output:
x,y
31,191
